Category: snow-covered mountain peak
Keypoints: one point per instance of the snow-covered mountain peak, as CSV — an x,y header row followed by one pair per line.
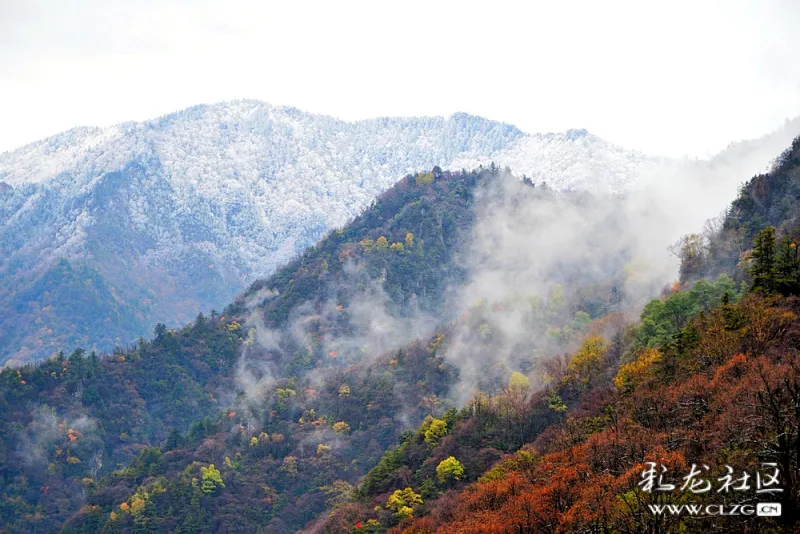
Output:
x,y
199,202
41,160
178,213
576,133
574,159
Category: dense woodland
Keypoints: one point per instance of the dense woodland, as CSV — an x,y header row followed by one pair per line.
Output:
x,y
246,420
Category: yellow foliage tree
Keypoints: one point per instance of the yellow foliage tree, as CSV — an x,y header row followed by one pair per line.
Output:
x,y
367,244
449,469
340,427
519,381
137,504
212,479
587,362
437,429
632,373
424,178
402,502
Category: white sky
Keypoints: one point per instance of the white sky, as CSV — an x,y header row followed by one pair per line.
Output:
x,y
677,77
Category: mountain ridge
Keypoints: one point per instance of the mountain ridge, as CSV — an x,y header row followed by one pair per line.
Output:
x,y
227,192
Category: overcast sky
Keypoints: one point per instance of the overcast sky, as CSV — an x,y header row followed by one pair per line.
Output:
x,y
673,78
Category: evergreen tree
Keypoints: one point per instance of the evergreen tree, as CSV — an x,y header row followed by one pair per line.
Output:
x,y
174,441
763,269
788,268
160,330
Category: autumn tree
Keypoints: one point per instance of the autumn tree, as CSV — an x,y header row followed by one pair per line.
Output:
x,y
436,430
449,469
211,479
633,373
402,502
340,427
519,384
516,398
424,178
586,364
778,395
367,244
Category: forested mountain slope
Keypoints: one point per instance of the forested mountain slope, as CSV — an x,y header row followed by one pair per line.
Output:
x,y
767,199
302,383
708,379
721,392
452,290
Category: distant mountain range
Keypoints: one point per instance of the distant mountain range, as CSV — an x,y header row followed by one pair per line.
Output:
x,y
106,231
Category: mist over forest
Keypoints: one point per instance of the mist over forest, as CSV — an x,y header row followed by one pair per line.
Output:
x,y
518,268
